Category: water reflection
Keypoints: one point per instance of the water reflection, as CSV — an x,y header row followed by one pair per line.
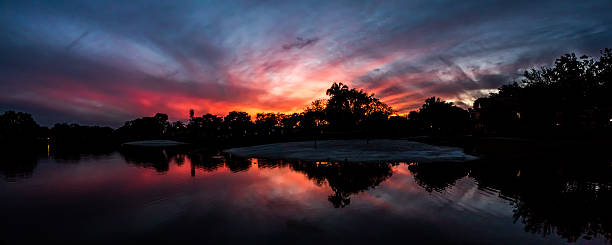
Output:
x,y
205,162
158,159
75,154
18,165
569,199
344,179
551,200
572,200
438,176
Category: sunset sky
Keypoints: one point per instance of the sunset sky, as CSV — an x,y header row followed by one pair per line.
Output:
x,y
105,62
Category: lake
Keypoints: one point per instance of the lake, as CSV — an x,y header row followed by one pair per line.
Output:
x,y
163,195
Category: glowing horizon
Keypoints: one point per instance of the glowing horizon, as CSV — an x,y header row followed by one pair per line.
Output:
x,y
104,63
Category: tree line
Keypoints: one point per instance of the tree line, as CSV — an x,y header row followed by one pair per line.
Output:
x,y
569,98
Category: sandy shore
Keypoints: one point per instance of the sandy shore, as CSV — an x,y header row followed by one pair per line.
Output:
x,y
355,151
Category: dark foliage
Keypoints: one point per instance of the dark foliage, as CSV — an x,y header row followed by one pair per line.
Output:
x,y
74,134
19,127
570,97
350,109
208,127
145,128
440,118
237,124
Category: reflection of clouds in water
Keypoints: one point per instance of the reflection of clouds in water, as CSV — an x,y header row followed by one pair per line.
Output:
x,y
401,195
280,196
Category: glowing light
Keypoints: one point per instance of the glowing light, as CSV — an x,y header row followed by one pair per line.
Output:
x,y
398,115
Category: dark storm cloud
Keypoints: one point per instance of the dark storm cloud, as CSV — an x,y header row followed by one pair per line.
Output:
x,y
108,61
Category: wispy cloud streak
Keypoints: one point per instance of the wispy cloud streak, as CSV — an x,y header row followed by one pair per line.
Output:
x,y
87,61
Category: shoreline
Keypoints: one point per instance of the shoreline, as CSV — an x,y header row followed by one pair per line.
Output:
x,y
355,151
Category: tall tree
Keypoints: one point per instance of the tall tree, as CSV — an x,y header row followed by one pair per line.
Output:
x,y
145,128
440,117
17,127
349,109
237,124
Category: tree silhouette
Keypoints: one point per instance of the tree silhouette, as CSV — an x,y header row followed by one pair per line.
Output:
x,y
237,124
145,128
78,137
18,127
207,126
314,115
571,96
292,121
175,129
267,124
348,109
440,117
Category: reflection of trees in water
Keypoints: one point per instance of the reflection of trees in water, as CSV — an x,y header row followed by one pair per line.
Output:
x,y
18,164
238,164
573,210
571,200
21,160
74,153
205,162
345,179
437,176
158,159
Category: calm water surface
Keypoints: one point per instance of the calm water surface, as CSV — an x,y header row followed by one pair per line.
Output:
x,y
169,196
